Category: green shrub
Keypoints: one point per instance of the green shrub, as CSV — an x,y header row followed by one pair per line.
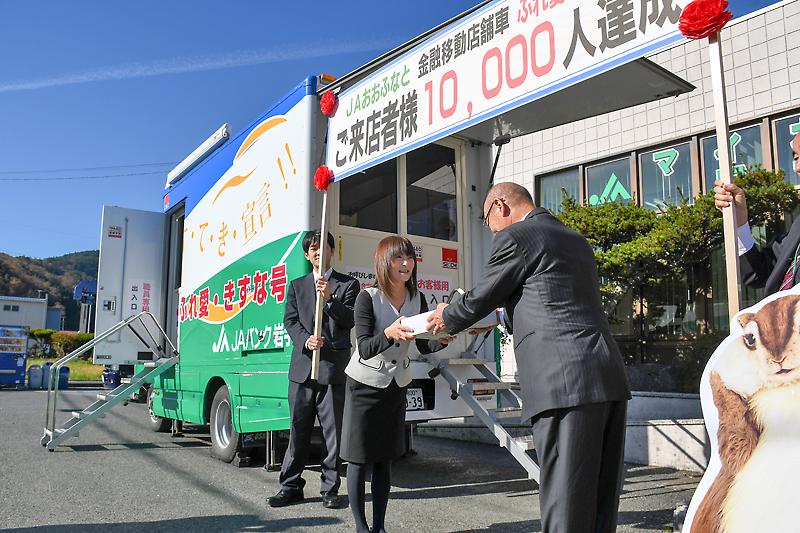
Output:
x,y
64,343
42,339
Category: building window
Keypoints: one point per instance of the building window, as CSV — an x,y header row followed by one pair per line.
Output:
x,y
785,131
609,182
746,152
551,189
666,175
12,308
431,190
622,320
670,306
368,199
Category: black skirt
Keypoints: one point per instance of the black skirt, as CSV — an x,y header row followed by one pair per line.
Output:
x,y
374,419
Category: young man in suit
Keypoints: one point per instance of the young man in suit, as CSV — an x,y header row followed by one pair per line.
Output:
x,y
322,398
572,376
774,266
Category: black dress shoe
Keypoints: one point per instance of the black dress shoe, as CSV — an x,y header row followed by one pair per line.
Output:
x,y
285,497
331,500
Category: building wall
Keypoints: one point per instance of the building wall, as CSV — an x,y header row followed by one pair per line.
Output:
x,y
32,312
761,56
55,318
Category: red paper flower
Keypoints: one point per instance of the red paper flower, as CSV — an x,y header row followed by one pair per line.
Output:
x,y
328,103
702,18
322,178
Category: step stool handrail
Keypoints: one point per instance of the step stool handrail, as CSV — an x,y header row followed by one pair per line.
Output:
x,y
50,421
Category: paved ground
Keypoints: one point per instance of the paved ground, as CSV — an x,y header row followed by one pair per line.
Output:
x,y
118,472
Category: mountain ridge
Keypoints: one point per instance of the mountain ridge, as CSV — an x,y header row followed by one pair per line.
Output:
x,y
23,277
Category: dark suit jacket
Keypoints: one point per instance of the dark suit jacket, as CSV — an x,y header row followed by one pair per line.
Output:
x,y
337,321
546,277
768,266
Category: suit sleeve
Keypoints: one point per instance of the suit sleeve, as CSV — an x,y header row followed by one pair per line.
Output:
x,y
370,343
756,264
505,271
291,318
427,345
341,310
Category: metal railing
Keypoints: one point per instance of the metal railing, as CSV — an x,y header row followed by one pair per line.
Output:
x,y
55,369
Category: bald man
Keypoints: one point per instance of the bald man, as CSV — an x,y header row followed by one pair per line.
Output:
x,y
572,376
774,266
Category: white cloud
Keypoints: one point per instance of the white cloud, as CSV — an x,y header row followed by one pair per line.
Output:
x,y
179,65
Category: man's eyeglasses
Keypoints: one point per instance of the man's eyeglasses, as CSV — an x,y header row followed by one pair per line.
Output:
x,y
486,217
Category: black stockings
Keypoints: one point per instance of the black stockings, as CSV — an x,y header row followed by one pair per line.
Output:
x,y
381,485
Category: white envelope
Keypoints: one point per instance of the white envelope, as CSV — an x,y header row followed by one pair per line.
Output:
x,y
419,323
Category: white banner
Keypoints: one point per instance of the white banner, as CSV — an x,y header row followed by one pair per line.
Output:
x,y
502,56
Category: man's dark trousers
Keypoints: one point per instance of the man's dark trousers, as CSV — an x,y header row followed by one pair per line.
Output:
x,y
322,398
586,442
306,401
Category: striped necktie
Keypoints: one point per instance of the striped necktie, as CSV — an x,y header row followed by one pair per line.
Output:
x,y
788,279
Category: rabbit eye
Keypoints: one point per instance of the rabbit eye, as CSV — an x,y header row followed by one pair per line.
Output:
x,y
750,340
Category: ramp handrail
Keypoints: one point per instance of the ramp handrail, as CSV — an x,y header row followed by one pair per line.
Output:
x,y
50,421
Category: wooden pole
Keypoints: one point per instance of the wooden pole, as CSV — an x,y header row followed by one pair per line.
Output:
x,y
323,251
726,173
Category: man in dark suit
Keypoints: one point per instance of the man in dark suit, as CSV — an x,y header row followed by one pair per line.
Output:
x,y
322,398
572,376
774,266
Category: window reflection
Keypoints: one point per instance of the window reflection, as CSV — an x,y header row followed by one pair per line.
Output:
x,y
670,306
621,320
745,152
609,182
785,131
666,175
431,189
368,199
550,189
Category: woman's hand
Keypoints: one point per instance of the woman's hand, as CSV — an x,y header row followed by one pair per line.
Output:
x,y
398,331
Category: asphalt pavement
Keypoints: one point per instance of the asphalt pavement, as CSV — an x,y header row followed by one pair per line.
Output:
x,y
118,474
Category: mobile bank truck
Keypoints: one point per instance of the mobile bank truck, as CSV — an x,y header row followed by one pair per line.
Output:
x,y
410,144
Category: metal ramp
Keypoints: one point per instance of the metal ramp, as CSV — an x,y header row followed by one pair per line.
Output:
x,y
53,436
491,418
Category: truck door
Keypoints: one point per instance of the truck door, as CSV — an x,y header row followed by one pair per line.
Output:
x,y
418,195
174,272
129,280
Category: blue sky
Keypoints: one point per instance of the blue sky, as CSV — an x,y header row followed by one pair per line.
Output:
x,y
128,89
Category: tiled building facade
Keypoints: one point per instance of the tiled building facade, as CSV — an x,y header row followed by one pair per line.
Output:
x,y
646,151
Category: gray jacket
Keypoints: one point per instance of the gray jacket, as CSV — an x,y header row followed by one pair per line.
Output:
x,y
545,275
378,360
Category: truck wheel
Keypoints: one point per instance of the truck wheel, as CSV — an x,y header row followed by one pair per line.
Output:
x,y
224,439
156,423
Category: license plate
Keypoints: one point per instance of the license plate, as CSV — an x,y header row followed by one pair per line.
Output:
x,y
414,400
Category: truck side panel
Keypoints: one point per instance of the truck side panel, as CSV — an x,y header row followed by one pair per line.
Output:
x,y
241,248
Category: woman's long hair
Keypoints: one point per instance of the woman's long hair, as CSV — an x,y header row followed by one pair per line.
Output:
x,y
387,250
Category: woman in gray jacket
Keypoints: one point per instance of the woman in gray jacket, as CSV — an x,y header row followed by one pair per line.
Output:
x,y
377,377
